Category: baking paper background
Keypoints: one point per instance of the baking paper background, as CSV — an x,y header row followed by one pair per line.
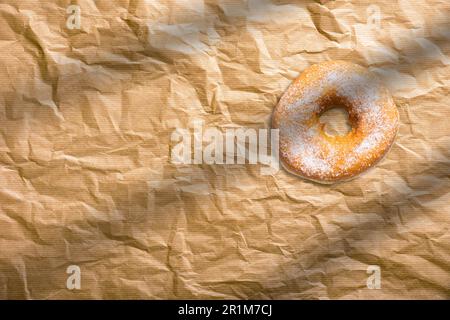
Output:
x,y
86,118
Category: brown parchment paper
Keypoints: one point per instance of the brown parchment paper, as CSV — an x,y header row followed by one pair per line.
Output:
x,y
86,179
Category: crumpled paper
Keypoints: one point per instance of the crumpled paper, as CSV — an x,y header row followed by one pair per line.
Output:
x,y
86,178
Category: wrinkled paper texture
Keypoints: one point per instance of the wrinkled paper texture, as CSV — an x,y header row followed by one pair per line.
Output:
x,y
87,180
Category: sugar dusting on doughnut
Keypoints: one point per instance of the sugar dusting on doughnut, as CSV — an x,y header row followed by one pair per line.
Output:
x,y
307,150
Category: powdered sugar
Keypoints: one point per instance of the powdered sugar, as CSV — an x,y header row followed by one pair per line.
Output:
x,y
303,144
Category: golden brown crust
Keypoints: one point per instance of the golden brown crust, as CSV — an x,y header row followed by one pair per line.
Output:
x,y
307,150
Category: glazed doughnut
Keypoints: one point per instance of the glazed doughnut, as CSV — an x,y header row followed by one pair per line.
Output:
x,y
307,150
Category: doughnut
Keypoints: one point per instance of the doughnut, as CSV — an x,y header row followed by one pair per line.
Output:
x,y
307,150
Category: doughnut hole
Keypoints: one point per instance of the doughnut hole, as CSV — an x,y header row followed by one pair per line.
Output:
x,y
336,121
